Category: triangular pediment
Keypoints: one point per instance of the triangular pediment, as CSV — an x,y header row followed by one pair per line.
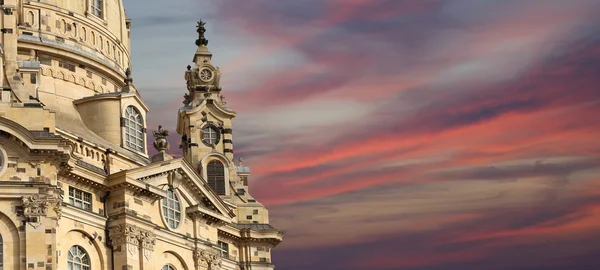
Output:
x,y
178,174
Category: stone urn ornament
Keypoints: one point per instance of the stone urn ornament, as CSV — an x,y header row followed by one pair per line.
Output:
x,y
161,144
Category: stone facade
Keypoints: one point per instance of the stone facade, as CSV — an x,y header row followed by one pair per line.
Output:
x,y
77,187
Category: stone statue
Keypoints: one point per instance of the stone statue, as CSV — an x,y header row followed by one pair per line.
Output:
x,y
223,102
128,78
187,99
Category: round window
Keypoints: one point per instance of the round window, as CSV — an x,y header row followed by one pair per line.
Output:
x,y
171,209
210,135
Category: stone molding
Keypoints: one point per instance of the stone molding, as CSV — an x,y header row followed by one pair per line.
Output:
x,y
131,239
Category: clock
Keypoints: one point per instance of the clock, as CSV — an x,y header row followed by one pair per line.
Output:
x,y
206,75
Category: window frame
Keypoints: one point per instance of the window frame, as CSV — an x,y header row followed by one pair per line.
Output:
x,y
215,179
223,249
139,137
71,258
73,198
166,210
97,8
216,133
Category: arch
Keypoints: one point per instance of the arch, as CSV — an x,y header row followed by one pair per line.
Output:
x,y
218,156
174,259
10,242
91,245
134,129
93,38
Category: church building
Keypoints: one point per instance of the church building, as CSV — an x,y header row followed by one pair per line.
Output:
x,y
78,187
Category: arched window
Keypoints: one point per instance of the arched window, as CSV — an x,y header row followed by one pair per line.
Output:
x,y
168,267
1,253
216,176
171,209
78,259
134,129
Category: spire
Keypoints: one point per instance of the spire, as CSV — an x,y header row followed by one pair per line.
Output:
x,y
203,77
201,41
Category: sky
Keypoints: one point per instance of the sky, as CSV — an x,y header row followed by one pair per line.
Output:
x,y
393,134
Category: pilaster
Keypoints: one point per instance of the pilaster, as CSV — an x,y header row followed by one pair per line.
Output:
x,y
41,213
133,247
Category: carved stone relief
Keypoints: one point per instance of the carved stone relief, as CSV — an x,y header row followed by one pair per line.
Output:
x,y
208,259
131,239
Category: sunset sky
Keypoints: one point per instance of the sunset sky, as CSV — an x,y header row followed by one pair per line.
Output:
x,y
392,134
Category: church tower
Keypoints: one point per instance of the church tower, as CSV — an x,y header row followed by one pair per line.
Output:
x,y
205,126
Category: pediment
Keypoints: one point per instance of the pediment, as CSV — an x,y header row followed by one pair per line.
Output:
x,y
178,174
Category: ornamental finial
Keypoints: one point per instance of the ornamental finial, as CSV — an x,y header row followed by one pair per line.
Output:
x,y
160,143
201,30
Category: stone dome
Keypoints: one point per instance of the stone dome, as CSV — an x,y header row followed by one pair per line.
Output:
x,y
73,58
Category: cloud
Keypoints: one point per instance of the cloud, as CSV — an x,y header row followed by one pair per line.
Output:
x,y
403,134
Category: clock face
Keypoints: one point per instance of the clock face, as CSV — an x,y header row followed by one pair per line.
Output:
x,y
206,75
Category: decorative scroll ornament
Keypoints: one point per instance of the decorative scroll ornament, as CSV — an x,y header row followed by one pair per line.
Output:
x,y
161,143
34,206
